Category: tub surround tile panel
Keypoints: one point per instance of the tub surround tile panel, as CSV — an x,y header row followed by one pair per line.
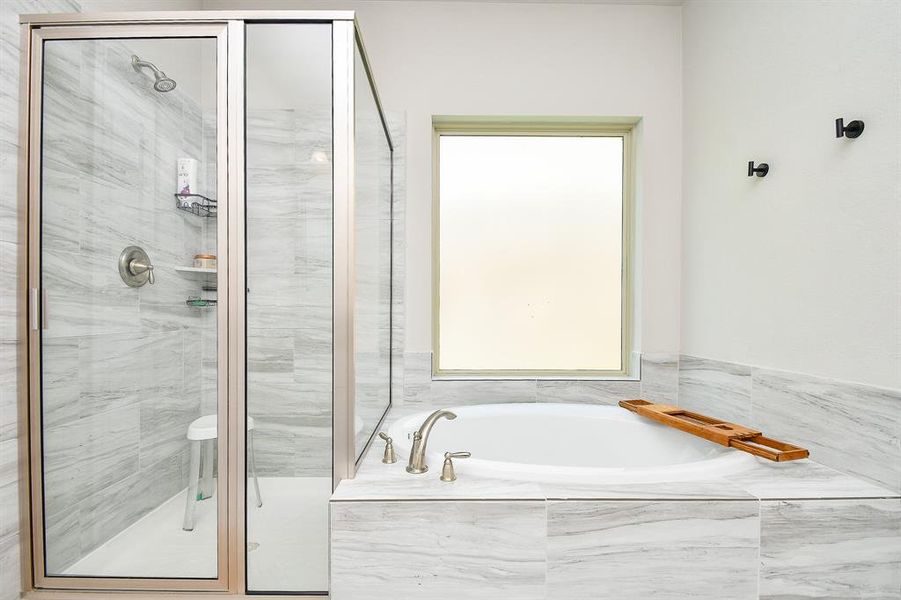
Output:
x,y
804,410
715,388
639,550
674,540
810,411
804,479
712,489
588,392
420,389
417,378
834,549
660,377
438,550
446,392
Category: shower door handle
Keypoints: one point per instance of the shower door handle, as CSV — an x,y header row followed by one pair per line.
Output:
x,y
35,307
38,308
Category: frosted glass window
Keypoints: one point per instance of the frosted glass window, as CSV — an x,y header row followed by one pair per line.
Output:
x,y
530,253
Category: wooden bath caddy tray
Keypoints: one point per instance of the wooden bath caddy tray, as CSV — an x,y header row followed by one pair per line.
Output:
x,y
720,432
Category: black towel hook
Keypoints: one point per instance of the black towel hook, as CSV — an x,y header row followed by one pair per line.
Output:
x,y
760,170
851,130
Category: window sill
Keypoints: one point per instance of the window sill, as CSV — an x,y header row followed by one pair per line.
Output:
x,y
588,378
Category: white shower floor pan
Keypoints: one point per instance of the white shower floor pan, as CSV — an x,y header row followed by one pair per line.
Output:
x,y
288,540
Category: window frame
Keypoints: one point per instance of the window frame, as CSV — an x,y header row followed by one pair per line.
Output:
x,y
623,127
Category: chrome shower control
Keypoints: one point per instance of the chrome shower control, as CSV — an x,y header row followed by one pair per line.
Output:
x,y
135,267
447,471
389,458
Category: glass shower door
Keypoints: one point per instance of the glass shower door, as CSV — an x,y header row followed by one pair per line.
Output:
x,y
289,216
131,395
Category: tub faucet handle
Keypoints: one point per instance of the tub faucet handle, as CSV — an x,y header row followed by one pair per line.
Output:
x,y
389,457
447,472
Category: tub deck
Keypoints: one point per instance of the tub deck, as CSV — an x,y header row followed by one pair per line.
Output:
x,y
796,529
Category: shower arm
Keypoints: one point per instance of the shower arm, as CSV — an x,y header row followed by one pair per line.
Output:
x,y
139,64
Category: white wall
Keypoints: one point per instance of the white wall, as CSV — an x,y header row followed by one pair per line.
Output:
x,y
800,270
440,58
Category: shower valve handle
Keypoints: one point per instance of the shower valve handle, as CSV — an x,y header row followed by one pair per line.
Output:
x,y
137,267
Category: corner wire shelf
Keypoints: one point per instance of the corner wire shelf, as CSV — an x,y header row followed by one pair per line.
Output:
x,y
196,204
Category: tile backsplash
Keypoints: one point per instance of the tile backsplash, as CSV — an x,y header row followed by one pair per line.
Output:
x,y
850,427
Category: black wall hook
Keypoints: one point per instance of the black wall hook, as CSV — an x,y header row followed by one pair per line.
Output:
x,y
760,170
851,130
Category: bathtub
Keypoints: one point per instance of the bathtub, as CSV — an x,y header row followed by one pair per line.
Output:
x,y
568,443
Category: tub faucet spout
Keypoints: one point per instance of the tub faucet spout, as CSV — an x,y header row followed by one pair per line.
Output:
x,y
421,439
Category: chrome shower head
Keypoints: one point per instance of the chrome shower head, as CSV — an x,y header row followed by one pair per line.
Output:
x,y
162,83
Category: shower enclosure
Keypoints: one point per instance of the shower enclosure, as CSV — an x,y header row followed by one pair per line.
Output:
x,y
207,295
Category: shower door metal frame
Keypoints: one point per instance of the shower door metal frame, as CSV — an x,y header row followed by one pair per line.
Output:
x,y
35,36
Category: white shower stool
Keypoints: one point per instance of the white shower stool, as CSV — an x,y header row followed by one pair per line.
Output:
x,y
202,434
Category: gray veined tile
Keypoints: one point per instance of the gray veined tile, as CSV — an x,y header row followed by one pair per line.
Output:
x,y
660,377
807,411
799,479
447,392
9,397
275,446
10,570
111,448
715,388
164,422
835,549
588,392
62,542
417,377
270,355
438,550
147,489
9,487
665,549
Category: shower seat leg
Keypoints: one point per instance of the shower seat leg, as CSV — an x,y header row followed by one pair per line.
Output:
x,y
206,488
253,468
193,482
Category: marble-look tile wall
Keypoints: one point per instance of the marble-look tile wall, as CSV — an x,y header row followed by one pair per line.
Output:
x,y
289,295
830,549
850,427
438,550
647,549
10,572
289,299
658,381
628,549
120,365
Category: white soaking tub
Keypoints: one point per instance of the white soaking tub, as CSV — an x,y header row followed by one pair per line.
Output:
x,y
568,443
